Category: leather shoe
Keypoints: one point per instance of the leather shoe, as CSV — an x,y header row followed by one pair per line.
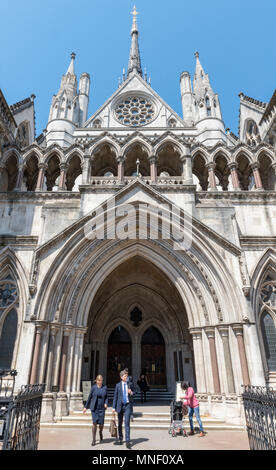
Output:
x,y
118,443
128,445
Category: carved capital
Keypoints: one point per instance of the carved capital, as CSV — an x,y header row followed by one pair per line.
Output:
x,y
238,329
232,166
224,330
210,332
63,166
152,159
211,166
42,166
254,165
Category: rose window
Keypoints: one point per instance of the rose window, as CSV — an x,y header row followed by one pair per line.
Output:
x,y
8,294
136,111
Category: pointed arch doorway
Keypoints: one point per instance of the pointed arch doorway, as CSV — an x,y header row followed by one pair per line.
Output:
x,y
118,354
153,357
138,320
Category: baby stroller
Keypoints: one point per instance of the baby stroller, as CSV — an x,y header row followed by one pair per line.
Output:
x,y
177,418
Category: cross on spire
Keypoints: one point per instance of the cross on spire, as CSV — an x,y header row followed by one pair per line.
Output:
x,y
134,62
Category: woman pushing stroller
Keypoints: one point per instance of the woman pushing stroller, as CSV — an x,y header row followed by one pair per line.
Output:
x,y
191,401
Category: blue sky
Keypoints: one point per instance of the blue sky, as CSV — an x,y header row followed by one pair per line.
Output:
x,y
235,39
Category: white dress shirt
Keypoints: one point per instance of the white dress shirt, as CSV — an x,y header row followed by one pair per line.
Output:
x,y
123,385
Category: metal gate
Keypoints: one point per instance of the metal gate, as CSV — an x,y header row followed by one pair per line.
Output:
x,y
260,413
20,415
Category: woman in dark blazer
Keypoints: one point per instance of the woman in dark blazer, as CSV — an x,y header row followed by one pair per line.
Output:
x,y
97,402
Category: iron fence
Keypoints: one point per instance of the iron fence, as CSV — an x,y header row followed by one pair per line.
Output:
x,y
260,414
20,414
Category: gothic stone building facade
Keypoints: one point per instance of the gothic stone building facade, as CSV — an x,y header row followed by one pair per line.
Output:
x,y
72,306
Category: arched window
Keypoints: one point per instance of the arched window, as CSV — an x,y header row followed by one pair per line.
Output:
x,y
97,124
268,319
208,106
22,136
7,340
252,135
269,339
172,122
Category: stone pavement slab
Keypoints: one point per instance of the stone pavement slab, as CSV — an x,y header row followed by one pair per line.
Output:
x,y
80,439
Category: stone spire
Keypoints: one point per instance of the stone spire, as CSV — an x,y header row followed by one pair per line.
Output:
x,y
71,68
200,76
134,62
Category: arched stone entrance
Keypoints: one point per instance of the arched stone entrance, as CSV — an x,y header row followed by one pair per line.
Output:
x,y
138,320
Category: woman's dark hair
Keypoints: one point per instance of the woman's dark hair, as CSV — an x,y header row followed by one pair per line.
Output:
x,y
185,385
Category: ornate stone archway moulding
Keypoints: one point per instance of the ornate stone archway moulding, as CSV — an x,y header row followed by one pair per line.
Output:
x,y
105,252
75,243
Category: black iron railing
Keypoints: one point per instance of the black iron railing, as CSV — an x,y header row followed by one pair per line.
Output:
x,y
260,414
20,414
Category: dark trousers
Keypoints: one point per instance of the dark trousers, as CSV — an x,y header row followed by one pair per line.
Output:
x,y
143,395
127,411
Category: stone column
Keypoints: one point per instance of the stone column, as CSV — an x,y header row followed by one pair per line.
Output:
x,y
19,178
121,168
224,331
153,168
199,360
64,352
42,167
186,160
53,331
82,333
234,175
48,397
76,401
61,402
257,176
85,169
62,179
214,362
211,173
38,335
238,330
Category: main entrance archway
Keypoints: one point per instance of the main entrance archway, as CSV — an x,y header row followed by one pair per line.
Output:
x,y
138,320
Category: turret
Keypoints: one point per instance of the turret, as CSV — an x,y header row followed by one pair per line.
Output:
x,y
187,98
84,87
208,118
69,107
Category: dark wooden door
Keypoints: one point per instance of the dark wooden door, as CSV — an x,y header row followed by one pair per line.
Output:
x,y
118,357
153,359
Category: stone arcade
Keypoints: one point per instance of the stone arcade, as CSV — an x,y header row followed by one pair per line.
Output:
x,y
72,306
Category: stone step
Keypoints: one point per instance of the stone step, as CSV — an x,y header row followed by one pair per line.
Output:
x,y
78,415
156,426
146,420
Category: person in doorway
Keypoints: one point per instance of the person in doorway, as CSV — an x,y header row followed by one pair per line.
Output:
x,y
97,402
143,385
191,401
122,404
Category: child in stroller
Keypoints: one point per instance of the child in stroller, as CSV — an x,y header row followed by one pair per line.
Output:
x,y
177,417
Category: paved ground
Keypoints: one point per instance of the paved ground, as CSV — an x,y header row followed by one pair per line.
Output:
x,y
80,439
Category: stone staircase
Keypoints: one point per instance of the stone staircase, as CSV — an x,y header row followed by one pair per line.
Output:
x,y
148,416
154,394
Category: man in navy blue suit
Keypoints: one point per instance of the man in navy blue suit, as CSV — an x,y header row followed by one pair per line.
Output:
x,y
122,404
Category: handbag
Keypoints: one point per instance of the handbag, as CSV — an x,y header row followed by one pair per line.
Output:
x,y
113,428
